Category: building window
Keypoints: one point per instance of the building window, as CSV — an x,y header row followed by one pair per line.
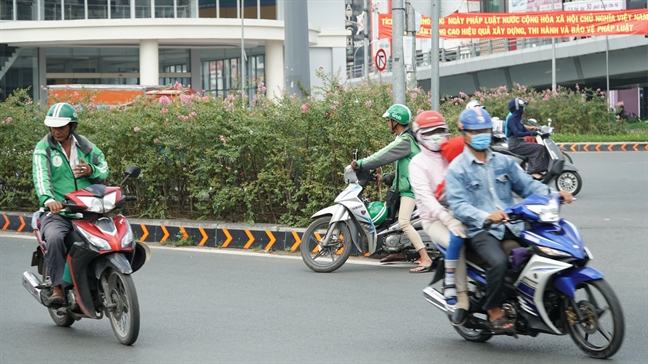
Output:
x,y
493,6
636,4
164,8
268,9
228,8
184,8
142,8
97,9
52,9
221,77
6,9
250,9
175,66
74,9
27,9
119,9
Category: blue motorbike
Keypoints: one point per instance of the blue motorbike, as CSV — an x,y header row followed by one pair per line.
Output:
x,y
549,286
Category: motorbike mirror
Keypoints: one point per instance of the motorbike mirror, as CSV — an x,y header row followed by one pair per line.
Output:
x,y
132,171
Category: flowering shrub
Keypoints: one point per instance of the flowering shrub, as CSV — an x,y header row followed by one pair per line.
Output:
x,y
212,158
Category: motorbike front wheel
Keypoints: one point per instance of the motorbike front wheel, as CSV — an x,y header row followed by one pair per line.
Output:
x,y
595,319
124,316
325,258
569,181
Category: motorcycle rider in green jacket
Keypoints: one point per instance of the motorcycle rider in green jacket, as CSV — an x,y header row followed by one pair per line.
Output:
x,y
401,151
63,161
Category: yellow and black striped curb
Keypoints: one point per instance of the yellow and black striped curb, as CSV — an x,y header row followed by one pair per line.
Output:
x,y
605,147
220,236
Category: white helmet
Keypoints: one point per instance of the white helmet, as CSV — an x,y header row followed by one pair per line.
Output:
x,y
473,104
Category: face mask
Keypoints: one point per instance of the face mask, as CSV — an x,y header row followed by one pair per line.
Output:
x,y
480,141
433,142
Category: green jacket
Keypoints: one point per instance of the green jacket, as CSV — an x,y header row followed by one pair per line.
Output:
x,y
53,177
401,151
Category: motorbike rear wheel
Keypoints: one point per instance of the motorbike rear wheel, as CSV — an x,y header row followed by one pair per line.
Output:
x,y
569,181
473,335
62,320
590,325
334,255
125,316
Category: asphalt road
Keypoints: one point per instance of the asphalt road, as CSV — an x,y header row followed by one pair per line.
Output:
x,y
220,308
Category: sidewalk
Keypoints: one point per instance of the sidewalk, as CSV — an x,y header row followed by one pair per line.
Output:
x,y
605,147
265,237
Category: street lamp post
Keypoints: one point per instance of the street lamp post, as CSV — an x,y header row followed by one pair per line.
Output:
x,y
607,64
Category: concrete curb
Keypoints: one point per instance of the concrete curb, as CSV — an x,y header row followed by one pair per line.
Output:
x,y
605,147
196,233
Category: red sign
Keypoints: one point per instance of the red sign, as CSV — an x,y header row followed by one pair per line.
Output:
x,y
547,24
554,24
381,60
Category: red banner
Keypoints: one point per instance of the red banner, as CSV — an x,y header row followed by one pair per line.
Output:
x,y
544,24
385,26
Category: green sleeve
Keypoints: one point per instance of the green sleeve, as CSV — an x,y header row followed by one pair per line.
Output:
x,y
394,151
99,165
41,174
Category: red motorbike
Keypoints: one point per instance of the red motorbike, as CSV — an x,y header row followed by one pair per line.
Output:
x,y
102,256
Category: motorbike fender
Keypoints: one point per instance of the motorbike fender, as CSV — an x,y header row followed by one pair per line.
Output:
x,y
569,280
569,167
140,255
116,261
337,213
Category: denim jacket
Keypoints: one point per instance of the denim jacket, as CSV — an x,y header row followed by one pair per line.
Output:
x,y
475,189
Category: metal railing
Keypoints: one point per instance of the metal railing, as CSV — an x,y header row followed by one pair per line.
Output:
x,y
475,48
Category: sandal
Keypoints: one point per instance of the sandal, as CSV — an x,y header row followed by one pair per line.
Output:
x,y
421,269
502,324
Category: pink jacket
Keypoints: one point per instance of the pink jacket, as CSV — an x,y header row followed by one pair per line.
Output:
x,y
426,171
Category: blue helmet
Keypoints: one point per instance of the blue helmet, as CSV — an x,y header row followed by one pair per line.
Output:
x,y
475,119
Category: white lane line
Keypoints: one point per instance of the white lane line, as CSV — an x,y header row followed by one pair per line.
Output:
x,y
207,250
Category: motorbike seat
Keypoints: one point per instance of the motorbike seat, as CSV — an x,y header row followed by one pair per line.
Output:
x,y
524,159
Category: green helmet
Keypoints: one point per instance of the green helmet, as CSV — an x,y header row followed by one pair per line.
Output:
x,y
377,211
399,113
60,114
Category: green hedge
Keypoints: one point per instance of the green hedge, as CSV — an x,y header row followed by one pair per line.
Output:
x,y
210,158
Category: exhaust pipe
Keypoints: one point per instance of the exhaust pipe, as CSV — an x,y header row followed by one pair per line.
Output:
x,y
31,284
435,297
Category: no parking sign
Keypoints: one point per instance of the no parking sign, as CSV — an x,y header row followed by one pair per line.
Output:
x,y
381,60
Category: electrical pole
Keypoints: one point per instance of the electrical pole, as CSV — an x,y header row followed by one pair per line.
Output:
x,y
243,56
434,57
411,31
398,66
366,40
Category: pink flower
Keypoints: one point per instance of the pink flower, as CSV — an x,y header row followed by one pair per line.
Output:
x,y
8,120
304,108
368,104
463,95
577,87
193,114
164,110
164,100
137,129
205,98
223,139
185,99
157,141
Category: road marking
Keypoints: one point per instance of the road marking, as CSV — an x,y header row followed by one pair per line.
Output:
x,y
6,225
209,250
250,239
145,233
166,234
297,242
272,241
229,238
204,237
22,223
185,236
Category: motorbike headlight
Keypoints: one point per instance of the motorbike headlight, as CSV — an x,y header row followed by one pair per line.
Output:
x,y
96,241
127,240
547,213
552,252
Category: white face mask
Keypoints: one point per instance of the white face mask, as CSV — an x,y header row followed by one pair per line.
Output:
x,y
433,142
